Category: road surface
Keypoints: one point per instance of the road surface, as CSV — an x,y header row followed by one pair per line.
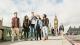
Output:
x,y
53,40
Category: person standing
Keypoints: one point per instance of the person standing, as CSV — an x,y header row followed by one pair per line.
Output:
x,y
33,22
15,27
45,27
26,23
61,30
38,27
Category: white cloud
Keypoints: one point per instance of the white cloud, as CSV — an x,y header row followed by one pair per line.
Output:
x,y
6,9
68,11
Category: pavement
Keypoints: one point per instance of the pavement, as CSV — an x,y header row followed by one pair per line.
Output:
x,y
73,39
53,40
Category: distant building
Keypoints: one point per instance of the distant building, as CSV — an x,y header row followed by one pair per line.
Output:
x,y
56,25
73,31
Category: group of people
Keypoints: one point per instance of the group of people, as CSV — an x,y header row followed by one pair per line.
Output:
x,y
37,27
33,28
60,31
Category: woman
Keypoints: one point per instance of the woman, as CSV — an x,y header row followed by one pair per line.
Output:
x,y
26,23
38,27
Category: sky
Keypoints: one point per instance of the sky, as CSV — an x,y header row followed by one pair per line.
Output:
x,y
67,11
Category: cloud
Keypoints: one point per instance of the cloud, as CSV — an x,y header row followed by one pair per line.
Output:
x,y
6,8
72,11
24,7
68,11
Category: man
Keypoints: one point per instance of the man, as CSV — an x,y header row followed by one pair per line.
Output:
x,y
15,26
45,20
45,27
33,22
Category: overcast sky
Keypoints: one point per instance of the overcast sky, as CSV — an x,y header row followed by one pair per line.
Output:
x,y
68,11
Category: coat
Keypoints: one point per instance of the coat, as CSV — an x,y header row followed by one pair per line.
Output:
x,y
15,22
45,21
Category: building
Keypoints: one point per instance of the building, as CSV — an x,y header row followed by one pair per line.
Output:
x,y
73,31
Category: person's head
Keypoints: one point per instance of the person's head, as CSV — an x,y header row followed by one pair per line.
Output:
x,y
32,13
15,14
44,16
40,18
26,17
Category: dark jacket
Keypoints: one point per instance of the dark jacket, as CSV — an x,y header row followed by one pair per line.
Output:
x,y
45,21
26,23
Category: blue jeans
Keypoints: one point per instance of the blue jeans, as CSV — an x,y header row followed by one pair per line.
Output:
x,y
33,32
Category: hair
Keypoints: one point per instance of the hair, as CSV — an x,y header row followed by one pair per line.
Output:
x,y
15,12
25,17
45,15
40,18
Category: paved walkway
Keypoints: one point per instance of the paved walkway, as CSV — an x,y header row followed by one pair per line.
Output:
x,y
74,39
53,40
